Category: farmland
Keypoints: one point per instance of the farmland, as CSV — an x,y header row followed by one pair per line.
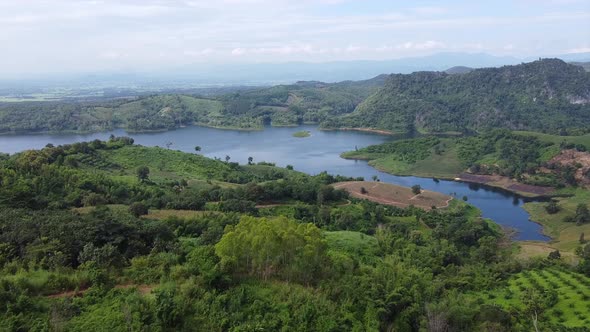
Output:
x,y
389,194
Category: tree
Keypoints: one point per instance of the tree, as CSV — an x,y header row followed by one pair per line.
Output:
x,y
273,248
375,178
416,189
250,159
290,167
363,190
552,207
536,301
143,173
169,144
582,214
554,255
197,149
138,209
227,158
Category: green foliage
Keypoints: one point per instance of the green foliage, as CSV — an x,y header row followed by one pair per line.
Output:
x,y
534,96
273,248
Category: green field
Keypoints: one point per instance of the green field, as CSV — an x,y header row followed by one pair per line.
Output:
x,y
555,139
565,235
572,308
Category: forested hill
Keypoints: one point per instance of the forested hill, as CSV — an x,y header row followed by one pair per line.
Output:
x,y
309,102
545,95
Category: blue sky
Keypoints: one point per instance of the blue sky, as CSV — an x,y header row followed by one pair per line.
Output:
x,y
42,36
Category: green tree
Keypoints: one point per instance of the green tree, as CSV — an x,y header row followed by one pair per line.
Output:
x,y
143,173
138,209
197,149
269,248
416,189
552,207
582,214
250,159
536,301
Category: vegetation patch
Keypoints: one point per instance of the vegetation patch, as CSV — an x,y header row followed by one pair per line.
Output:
x,y
302,134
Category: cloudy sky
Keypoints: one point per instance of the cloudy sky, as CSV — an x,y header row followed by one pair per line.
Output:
x,y
41,36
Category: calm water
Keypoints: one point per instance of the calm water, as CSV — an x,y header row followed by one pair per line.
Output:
x,y
320,152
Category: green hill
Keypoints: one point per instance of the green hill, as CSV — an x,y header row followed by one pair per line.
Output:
x,y
546,95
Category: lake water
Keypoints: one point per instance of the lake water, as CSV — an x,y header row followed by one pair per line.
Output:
x,y
314,154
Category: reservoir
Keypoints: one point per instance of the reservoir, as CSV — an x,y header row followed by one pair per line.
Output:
x,y
314,154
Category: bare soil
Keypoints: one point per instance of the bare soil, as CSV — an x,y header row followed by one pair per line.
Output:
x,y
506,183
389,194
578,160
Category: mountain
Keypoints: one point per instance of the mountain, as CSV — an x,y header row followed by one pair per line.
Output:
x,y
545,95
585,65
459,70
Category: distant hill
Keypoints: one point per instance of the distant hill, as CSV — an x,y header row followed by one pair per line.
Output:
x,y
459,70
547,96
585,65
544,95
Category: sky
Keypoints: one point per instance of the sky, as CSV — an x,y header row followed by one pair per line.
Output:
x,y
50,36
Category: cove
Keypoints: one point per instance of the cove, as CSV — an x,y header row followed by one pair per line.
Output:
x,y
312,155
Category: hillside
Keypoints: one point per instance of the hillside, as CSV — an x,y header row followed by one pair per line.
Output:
x,y
282,105
546,95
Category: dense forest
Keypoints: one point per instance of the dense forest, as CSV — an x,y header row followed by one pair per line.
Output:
x,y
130,238
546,96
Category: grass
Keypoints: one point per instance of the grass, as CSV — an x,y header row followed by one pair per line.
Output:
x,y
301,134
555,139
443,165
182,214
565,234
573,289
43,282
389,194
361,246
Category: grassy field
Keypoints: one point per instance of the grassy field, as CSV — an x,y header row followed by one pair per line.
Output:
x,y
565,235
443,165
302,134
389,194
573,290
555,139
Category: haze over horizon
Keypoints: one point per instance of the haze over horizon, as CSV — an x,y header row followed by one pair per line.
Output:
x,y
93,36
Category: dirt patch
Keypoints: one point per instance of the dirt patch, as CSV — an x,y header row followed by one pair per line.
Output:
x,y
506,183
576,159
74,293
389,194
142,289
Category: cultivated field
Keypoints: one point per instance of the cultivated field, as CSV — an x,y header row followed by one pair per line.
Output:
x,y
389,194
572,308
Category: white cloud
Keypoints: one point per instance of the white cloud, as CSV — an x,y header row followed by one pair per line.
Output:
x,y
78,35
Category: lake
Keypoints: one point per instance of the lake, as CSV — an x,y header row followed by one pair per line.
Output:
x,y
314,154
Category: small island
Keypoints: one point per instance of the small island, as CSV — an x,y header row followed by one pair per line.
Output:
x,y
301,134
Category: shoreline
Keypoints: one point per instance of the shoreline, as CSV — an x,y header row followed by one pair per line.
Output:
x,y
459,178
366,130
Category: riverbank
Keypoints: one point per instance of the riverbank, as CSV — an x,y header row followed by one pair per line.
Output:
x,y
365,130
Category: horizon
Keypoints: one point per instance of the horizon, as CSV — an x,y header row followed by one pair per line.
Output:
x,y
78,37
